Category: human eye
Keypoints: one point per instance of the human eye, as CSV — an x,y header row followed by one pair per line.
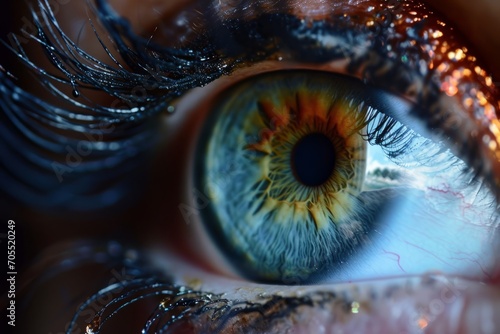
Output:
x,y
424,115
247,179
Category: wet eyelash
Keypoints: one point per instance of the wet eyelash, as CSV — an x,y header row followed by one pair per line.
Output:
x,y
166,72
406,147
38,135
135,279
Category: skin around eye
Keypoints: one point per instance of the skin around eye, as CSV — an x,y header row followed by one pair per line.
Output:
x,y
463,14
466,16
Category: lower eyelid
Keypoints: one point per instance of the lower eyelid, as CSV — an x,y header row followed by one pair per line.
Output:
x,y
435,303
430,303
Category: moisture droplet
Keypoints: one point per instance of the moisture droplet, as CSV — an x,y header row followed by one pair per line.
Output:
x,y
170,109
76,93
93,327
165,303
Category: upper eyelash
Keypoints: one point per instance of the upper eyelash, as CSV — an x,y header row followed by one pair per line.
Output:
x,y
165,72
35,124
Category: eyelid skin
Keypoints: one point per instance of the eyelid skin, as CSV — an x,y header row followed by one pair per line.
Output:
x,y
431,303
147,15
478,22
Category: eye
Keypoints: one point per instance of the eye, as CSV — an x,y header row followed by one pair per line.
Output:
x,y
309,176
394,193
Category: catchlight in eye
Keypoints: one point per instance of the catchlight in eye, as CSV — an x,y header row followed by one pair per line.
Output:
x,y
311,176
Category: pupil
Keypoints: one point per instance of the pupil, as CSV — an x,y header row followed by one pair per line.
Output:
x,y
313,159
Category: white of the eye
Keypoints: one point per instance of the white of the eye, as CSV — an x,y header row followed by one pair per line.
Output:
x,y
448,229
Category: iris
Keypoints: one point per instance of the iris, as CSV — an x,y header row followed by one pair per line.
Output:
x,y
283,157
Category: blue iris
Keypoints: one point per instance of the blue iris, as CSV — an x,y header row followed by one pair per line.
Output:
x,y
283,157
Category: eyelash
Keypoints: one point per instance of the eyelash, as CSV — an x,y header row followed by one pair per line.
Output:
x,y
39,122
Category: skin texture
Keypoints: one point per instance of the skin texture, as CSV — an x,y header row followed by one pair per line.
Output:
x,y
477,20
464,14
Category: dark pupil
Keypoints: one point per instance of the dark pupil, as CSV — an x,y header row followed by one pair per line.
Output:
x,y
313,159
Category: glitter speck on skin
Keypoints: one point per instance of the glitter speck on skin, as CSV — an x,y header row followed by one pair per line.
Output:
x,y
481,98
437,34
450,87
493,145
422,323
469,102
489,81
489,111
456,55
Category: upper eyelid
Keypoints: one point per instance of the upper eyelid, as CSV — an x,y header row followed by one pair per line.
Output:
x,y
213,67
476,21
443,73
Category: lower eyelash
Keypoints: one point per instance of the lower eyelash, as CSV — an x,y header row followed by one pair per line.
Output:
x,y
134,279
